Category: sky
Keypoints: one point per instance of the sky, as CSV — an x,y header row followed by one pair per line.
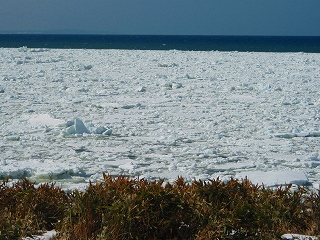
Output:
x,y
162,17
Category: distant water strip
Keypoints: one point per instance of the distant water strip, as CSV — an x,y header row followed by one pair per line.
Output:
x,y
164,42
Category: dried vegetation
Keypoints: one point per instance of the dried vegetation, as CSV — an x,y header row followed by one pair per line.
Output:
x,y
127,208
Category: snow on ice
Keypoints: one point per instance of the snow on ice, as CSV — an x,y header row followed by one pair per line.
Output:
x,y
69,115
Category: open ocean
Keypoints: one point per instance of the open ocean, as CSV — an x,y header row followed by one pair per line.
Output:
x,y
162,42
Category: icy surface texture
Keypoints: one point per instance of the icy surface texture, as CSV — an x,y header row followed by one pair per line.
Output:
x,y
68,115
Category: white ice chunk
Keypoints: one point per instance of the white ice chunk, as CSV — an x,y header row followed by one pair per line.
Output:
x,y
173,85
12,138
100,130
75,127
291,236
107,132
141,89
79,126
71,130
313,157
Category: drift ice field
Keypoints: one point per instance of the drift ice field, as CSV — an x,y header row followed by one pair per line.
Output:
x,y
67,115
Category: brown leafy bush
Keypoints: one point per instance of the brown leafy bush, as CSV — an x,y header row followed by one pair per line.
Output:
x,y
25,209
239,209
126,208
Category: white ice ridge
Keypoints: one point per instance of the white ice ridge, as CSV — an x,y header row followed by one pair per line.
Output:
x,y
290,236
69,115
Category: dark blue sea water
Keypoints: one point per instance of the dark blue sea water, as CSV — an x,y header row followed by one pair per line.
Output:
x,y
159,42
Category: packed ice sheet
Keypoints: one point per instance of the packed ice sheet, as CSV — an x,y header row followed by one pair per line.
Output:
x,y
69,115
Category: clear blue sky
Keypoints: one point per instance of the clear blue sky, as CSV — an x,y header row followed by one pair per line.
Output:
x,y
181,17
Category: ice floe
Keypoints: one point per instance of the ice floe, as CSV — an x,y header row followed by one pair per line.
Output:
x,y
69,115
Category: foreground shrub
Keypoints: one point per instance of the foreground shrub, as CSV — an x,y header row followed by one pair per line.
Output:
x,y
26,209
126,208
241,210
